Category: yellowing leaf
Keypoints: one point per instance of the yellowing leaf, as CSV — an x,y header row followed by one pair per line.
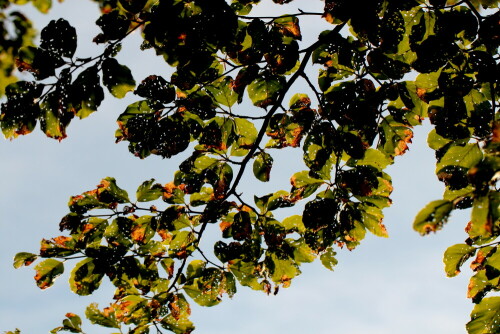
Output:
x,y
455,256
432,217
485,317
47,271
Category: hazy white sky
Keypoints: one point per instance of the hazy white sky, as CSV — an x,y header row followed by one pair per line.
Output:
x,y
394,285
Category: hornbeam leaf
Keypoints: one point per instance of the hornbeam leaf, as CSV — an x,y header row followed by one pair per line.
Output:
x,y
43,5
149,191
263,91
432,217
262,166
59,37
328,259
109,192
373,158
47,271
117,78
485,317
289,26
86,92
85,277
178,319
24,259
223,92
455,256
464,156
481,224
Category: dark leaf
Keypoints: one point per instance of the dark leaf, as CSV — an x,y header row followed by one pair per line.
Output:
x,y
59,37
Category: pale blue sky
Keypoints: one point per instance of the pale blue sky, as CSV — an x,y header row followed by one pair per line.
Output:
x,y
394,285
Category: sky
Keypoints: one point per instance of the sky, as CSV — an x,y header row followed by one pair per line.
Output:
x,y
393,285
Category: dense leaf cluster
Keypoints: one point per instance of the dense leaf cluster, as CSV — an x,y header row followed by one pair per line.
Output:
x,y
383,70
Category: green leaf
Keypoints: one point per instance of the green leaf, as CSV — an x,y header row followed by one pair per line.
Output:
x,y
328,258
481,222
436,141
43,5
135,309
149,191
282,270
464,156
373,158
222,91
247,134
95,316
372,217
177,320
71,324
262,166
455,256
302,253
16,331
85,277
432,217
47,271
109,192
117,78
264,91
294,223
246,274
208,287
485,317
205,195
182,245
299,101
24,259
395,137
86,92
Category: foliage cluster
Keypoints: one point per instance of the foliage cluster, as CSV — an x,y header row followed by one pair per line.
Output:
x,y
356,118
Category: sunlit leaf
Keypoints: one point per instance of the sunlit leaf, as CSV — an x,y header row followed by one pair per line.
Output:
x,y
117,78
485,317
262,166
149,191
264,91
455,256
24,259
432,217
86,277
463,156
47,271
328,259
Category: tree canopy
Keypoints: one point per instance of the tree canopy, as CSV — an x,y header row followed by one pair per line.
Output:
x,y
380,72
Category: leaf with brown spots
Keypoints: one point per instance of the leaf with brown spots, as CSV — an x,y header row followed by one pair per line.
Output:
x,y
47,271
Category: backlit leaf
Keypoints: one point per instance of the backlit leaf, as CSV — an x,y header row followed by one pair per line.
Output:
x,y
485,317
117,78
262,166
455,256
47,271
464,156
264,91
432,217
328,259
86,277
149,191
24,259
